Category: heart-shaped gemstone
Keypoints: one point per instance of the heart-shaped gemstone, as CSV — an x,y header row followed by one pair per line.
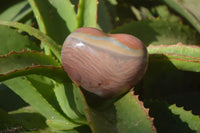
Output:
x,y
107,65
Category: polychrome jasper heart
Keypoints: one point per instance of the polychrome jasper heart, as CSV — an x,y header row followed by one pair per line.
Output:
x,y
107,65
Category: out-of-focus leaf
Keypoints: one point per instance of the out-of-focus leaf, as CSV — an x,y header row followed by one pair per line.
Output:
x,y
56,18
5,120
164,13
87,13
41,36
160,32
13,101
104,18
16,12
188,9
12,40
131,117
183,57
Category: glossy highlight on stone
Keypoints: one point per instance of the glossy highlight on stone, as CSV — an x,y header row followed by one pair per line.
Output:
x,y
107,65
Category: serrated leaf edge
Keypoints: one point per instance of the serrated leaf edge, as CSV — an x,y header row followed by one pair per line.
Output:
x,y
27,51
146,110
58,113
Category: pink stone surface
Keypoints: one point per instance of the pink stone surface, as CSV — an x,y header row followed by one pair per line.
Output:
x,y
107,65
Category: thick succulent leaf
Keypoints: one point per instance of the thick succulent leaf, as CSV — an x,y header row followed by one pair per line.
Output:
x,y
27,118
27,63
56,18
11,40
119,117
16,61
26,88
24,63
39,35
16,12
136,117
45,87
56,73
165,81
156,31
187,116
66,99
31,95
183,57
188,9
172,119
87,13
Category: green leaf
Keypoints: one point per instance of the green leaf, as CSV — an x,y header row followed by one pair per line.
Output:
x,y
26,88
156,31
16,61
188,9
183,57
63,93
164,13
55,18
5,120
132,115
26,63
11,40
31,95
56,73
39,35
127,115
46,87
27,118
103,15
172,119
87,13
187,116
66,98
16,12
164,80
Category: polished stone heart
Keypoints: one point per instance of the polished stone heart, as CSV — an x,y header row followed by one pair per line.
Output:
x,y
107,65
